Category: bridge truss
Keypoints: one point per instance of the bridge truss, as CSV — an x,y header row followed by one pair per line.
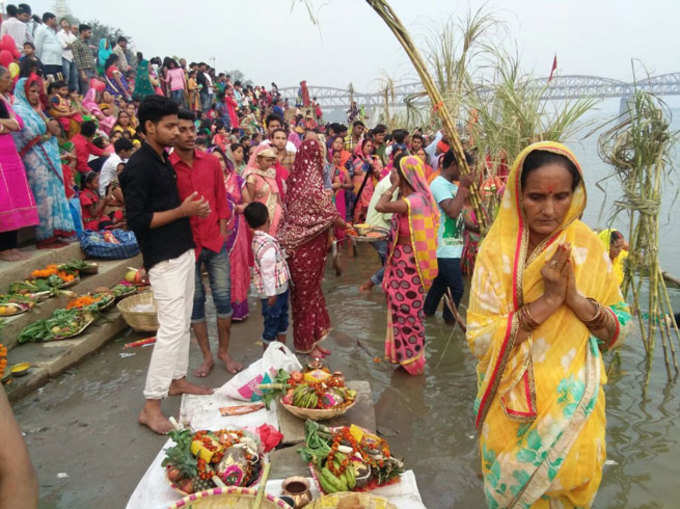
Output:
x,y
560,87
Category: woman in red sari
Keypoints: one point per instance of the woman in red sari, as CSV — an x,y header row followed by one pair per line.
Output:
x,y
309,214
238,242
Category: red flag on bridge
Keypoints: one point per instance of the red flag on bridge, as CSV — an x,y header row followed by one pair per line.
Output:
x,y
553,68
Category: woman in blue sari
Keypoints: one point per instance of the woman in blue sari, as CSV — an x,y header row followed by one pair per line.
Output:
x,y
40,152
103,54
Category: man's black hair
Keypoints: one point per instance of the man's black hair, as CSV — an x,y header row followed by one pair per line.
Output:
x,y
153,108
12,11
186,115
122,144
273,116
29,43
399,135
83,27
88,128
358,122
419,137
24,9
380,128
121,39
47,16
256,214
450,158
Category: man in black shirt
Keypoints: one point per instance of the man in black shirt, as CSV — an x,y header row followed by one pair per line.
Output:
x,y
161,223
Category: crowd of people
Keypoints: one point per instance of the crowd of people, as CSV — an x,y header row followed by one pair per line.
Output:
x,y
221,177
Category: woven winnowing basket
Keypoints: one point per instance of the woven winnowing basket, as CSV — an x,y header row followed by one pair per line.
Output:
x,y
146,321
228,498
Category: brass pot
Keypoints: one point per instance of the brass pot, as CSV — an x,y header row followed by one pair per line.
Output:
x,y
298,489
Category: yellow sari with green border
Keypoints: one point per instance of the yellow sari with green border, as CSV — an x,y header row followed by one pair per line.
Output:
x,y
540,406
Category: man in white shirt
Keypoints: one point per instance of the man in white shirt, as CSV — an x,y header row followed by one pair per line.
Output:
x,y
274,122
14,27
48,48
66,38
114,164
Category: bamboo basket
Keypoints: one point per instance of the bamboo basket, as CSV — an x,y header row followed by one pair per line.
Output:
x,y
231,497
145,321
365,500
318,414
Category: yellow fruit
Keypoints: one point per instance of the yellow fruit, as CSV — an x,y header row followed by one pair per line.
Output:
x,y
130,276
3,310
317,375
201,451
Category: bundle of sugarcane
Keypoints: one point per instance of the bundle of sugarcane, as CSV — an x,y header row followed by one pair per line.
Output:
x,y
639,148
383,9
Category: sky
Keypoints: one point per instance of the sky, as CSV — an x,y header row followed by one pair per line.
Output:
x,y
268,41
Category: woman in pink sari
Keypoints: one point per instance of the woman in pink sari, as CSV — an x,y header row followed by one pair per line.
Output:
x,y
238,243
412,262
91,104
17,205
310,213
262,184
367,168
341,184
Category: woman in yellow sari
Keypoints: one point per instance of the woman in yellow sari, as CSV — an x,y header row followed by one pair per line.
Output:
x,y
544,303
615,245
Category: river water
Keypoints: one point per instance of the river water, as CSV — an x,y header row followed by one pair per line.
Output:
x,y
430,421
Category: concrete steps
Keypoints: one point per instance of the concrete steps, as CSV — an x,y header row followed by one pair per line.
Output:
x,y
52,358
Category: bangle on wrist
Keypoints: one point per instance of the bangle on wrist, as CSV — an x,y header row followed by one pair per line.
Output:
x,y
526,318
600,319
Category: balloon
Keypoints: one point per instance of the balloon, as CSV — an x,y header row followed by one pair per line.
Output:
x,y
13,70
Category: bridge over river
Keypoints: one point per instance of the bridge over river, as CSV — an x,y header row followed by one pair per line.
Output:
x,y
560,87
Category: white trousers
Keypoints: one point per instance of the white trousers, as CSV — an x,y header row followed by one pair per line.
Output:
x,y
172,284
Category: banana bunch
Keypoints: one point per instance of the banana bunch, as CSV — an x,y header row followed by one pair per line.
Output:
x,y
331,483
305,397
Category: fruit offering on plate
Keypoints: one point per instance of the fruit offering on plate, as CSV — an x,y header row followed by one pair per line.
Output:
x,y
62,324
234,456
15,304
93,302
348,458
315,388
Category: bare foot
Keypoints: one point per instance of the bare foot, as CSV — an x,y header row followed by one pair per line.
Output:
x,y
9,256
183,386
317,353
205,368
155,420
230,364
21,255
367,286
324,351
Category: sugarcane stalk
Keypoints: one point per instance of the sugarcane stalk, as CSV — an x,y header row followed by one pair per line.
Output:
x,y
383,9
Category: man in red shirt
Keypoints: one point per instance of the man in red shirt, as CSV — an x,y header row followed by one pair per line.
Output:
x,y
201,173
82,142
